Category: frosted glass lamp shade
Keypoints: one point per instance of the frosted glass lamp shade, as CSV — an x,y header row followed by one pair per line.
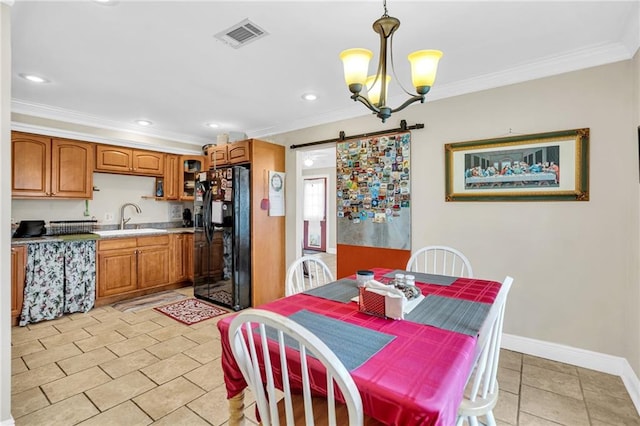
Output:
x,y
373,88
424,65
356,67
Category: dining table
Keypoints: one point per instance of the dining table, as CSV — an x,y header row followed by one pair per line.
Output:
x,y
410,371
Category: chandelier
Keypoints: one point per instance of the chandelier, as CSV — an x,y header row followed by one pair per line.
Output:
x,y
424,65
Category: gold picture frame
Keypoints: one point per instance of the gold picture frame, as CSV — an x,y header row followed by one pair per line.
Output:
x,y
519,168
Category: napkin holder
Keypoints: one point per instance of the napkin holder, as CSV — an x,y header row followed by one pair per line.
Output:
x,y
381,300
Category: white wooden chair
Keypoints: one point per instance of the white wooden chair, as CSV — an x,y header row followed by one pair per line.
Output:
x,y
482,389
249,353
305,273
441,260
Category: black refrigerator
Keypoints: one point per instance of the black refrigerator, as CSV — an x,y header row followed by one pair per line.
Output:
x,y
222,237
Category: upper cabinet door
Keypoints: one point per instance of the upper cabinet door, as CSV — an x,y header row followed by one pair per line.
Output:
x,y
239,152
113,159
71,169
171,181
31,165
148,163
217,156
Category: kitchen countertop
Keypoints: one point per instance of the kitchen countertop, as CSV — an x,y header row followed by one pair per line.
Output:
x,y
79,237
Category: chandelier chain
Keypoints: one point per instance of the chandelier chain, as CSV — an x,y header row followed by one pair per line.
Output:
x,y
384,3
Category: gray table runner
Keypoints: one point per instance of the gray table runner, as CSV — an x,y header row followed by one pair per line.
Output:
x,y
342,290
352,344
424,278
461,316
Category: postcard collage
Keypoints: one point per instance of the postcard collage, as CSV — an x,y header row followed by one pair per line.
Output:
x,y
373,179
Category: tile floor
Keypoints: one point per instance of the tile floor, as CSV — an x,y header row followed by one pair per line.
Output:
x,y
112,368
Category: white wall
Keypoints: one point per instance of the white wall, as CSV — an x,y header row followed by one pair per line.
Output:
x,y
575,264
5,198
115,190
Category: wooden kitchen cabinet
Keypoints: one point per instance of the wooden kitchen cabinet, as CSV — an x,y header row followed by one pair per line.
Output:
x,y
178,266
18,265
239,152
132,267
116,159
171,182
217,156
153,261
190,166
117,267
228,154
188,260
50,167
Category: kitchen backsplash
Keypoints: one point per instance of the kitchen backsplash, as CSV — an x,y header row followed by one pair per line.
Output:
x,y
114,191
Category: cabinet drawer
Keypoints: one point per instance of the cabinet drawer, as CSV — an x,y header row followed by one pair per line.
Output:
x,y
158,240
116,243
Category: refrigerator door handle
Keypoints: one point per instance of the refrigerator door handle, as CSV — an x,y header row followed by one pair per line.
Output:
x,y
206,217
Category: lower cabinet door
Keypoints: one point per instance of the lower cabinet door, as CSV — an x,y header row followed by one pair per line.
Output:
x,y
153,266
178,266
18,262
117,271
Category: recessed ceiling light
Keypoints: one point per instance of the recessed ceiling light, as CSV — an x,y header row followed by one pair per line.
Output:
x,y
34,78
212,125
106,2
309,97
144,122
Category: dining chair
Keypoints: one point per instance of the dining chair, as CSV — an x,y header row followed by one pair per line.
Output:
x,y
305,273
252,333
482,389
440,260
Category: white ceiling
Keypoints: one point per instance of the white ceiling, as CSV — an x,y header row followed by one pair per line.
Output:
x,y
159,60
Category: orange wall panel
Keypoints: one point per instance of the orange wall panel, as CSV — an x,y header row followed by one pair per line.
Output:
x,y
351,258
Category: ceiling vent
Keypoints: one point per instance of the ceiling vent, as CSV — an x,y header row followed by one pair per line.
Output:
x,y
241,34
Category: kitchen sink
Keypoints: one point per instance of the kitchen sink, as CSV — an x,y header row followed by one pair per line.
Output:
x,y
125,232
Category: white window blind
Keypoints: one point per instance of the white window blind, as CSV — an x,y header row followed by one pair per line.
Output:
x,y
314,199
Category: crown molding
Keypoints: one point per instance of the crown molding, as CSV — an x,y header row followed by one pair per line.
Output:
x,y
90,137
79,118
587,57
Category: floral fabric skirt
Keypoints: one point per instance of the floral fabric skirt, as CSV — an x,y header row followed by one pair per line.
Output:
x,y
60,278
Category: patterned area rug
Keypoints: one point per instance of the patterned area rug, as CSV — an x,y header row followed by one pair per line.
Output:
x,y
191,311
150,301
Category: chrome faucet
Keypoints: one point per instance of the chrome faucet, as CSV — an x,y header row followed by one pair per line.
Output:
x,y
123,221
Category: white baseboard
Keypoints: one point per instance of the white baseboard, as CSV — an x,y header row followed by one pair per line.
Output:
x,y
8,422
579,357
332,250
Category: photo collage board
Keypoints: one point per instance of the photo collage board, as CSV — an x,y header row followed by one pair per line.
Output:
x,y
373,196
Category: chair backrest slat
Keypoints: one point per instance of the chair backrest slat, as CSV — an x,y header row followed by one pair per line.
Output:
x,y
307,272
441,260
483,392
260,373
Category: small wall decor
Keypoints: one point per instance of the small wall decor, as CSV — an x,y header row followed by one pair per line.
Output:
x,y
276,193
373,191
542,166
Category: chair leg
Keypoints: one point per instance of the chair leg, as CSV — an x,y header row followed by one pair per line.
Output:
x,y
491,420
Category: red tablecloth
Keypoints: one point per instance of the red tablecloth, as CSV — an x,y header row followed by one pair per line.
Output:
x,y
417,379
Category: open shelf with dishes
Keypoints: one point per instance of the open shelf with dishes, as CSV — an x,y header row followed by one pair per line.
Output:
x,y
190,167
